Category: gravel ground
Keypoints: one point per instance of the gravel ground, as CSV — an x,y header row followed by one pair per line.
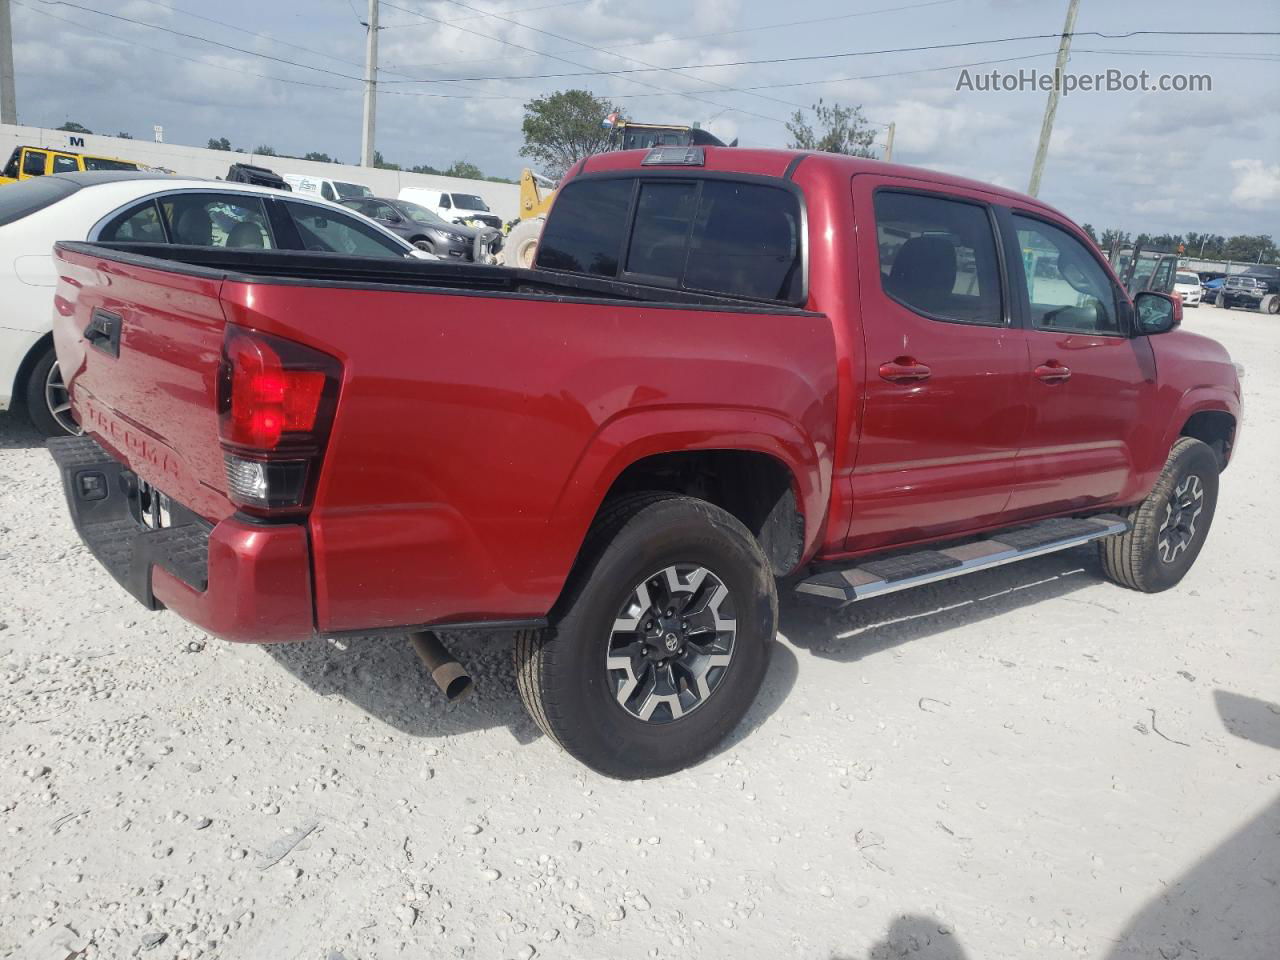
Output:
x,y
1021,763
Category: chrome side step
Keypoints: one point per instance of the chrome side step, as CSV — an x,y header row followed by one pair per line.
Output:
x,y
873,577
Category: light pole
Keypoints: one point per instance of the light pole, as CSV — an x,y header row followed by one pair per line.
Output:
x,y
370,85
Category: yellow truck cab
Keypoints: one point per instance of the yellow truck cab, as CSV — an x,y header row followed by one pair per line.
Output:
x,y
27,162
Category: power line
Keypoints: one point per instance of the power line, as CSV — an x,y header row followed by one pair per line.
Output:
x,y
512,43
192,36
169,53
721,33
620,56
810,58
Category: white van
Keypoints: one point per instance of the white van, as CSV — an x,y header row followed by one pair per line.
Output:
x,y
325,188
452,206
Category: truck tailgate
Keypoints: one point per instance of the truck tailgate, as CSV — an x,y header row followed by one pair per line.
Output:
x,y
140,350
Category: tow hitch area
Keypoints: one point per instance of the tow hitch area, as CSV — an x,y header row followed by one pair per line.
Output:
x,y
873,577
126,523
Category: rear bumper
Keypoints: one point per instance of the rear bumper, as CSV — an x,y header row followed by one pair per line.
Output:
x,y
237,579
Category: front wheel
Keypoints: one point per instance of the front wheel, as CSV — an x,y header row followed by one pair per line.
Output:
x,y
1170,526
521,245
662,641
47,401
1223,302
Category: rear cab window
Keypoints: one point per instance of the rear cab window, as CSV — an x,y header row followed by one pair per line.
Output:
x,y
724,236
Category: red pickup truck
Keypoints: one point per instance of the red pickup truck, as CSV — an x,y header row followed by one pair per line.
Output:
x,y
727,368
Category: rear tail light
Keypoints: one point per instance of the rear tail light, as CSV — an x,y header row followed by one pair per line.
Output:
x,y
276,400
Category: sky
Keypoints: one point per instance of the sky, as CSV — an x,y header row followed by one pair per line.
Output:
x,y
287,73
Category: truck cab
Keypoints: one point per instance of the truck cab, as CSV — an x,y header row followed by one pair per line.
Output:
x,y
27,162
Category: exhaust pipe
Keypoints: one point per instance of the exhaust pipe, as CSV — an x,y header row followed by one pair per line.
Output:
x,y
449,675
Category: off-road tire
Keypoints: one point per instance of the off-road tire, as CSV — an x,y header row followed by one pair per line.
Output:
x,y
1134,559
560,671
1222,302
521,245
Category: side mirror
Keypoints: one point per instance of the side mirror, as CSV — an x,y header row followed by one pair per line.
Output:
x,y
1157,312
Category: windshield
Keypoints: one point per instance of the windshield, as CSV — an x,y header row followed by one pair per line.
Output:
x,y
1188,278
421,214
348,190
468,201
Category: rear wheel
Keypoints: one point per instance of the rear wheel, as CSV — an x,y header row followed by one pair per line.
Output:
x,y
1170,526
1271,304
47,401
662,642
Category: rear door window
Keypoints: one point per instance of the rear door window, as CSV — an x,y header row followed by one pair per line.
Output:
x,y
938,257
139,224
64,164
217,220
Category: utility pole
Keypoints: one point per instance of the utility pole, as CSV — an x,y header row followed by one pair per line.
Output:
x,y
8,95
888,143
370,85
1051,108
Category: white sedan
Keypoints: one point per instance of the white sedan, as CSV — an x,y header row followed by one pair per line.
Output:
x,y
128,207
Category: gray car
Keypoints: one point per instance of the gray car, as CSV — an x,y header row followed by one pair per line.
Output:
x,y
427,231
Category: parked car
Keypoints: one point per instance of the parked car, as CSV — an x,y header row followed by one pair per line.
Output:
x,y
325,188
133,207
1187,286
426,231
27,162
1257,288
261,176
1254,289
727,366
1209,289
453,206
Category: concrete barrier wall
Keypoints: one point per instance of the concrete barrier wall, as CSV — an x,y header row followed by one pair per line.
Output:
x,y
502,198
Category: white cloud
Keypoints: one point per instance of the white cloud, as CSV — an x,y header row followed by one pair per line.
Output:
x,y
1256,182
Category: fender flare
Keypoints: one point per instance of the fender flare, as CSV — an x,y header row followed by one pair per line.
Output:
x,y
633,435
1205,398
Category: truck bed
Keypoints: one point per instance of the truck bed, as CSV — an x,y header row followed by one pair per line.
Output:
x,y
482,416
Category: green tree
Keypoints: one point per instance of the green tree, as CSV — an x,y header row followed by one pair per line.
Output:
x,y
1113,239
1088,229
424,168
465,169
72,127
319,157
265,151
1255,247
221,143
561,129
840,129
382,164
124,136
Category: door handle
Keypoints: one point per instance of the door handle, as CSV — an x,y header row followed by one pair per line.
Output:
x,y
1053,372
904,370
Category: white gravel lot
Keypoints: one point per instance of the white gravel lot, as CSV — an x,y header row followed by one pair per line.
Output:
x,y
1028,762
